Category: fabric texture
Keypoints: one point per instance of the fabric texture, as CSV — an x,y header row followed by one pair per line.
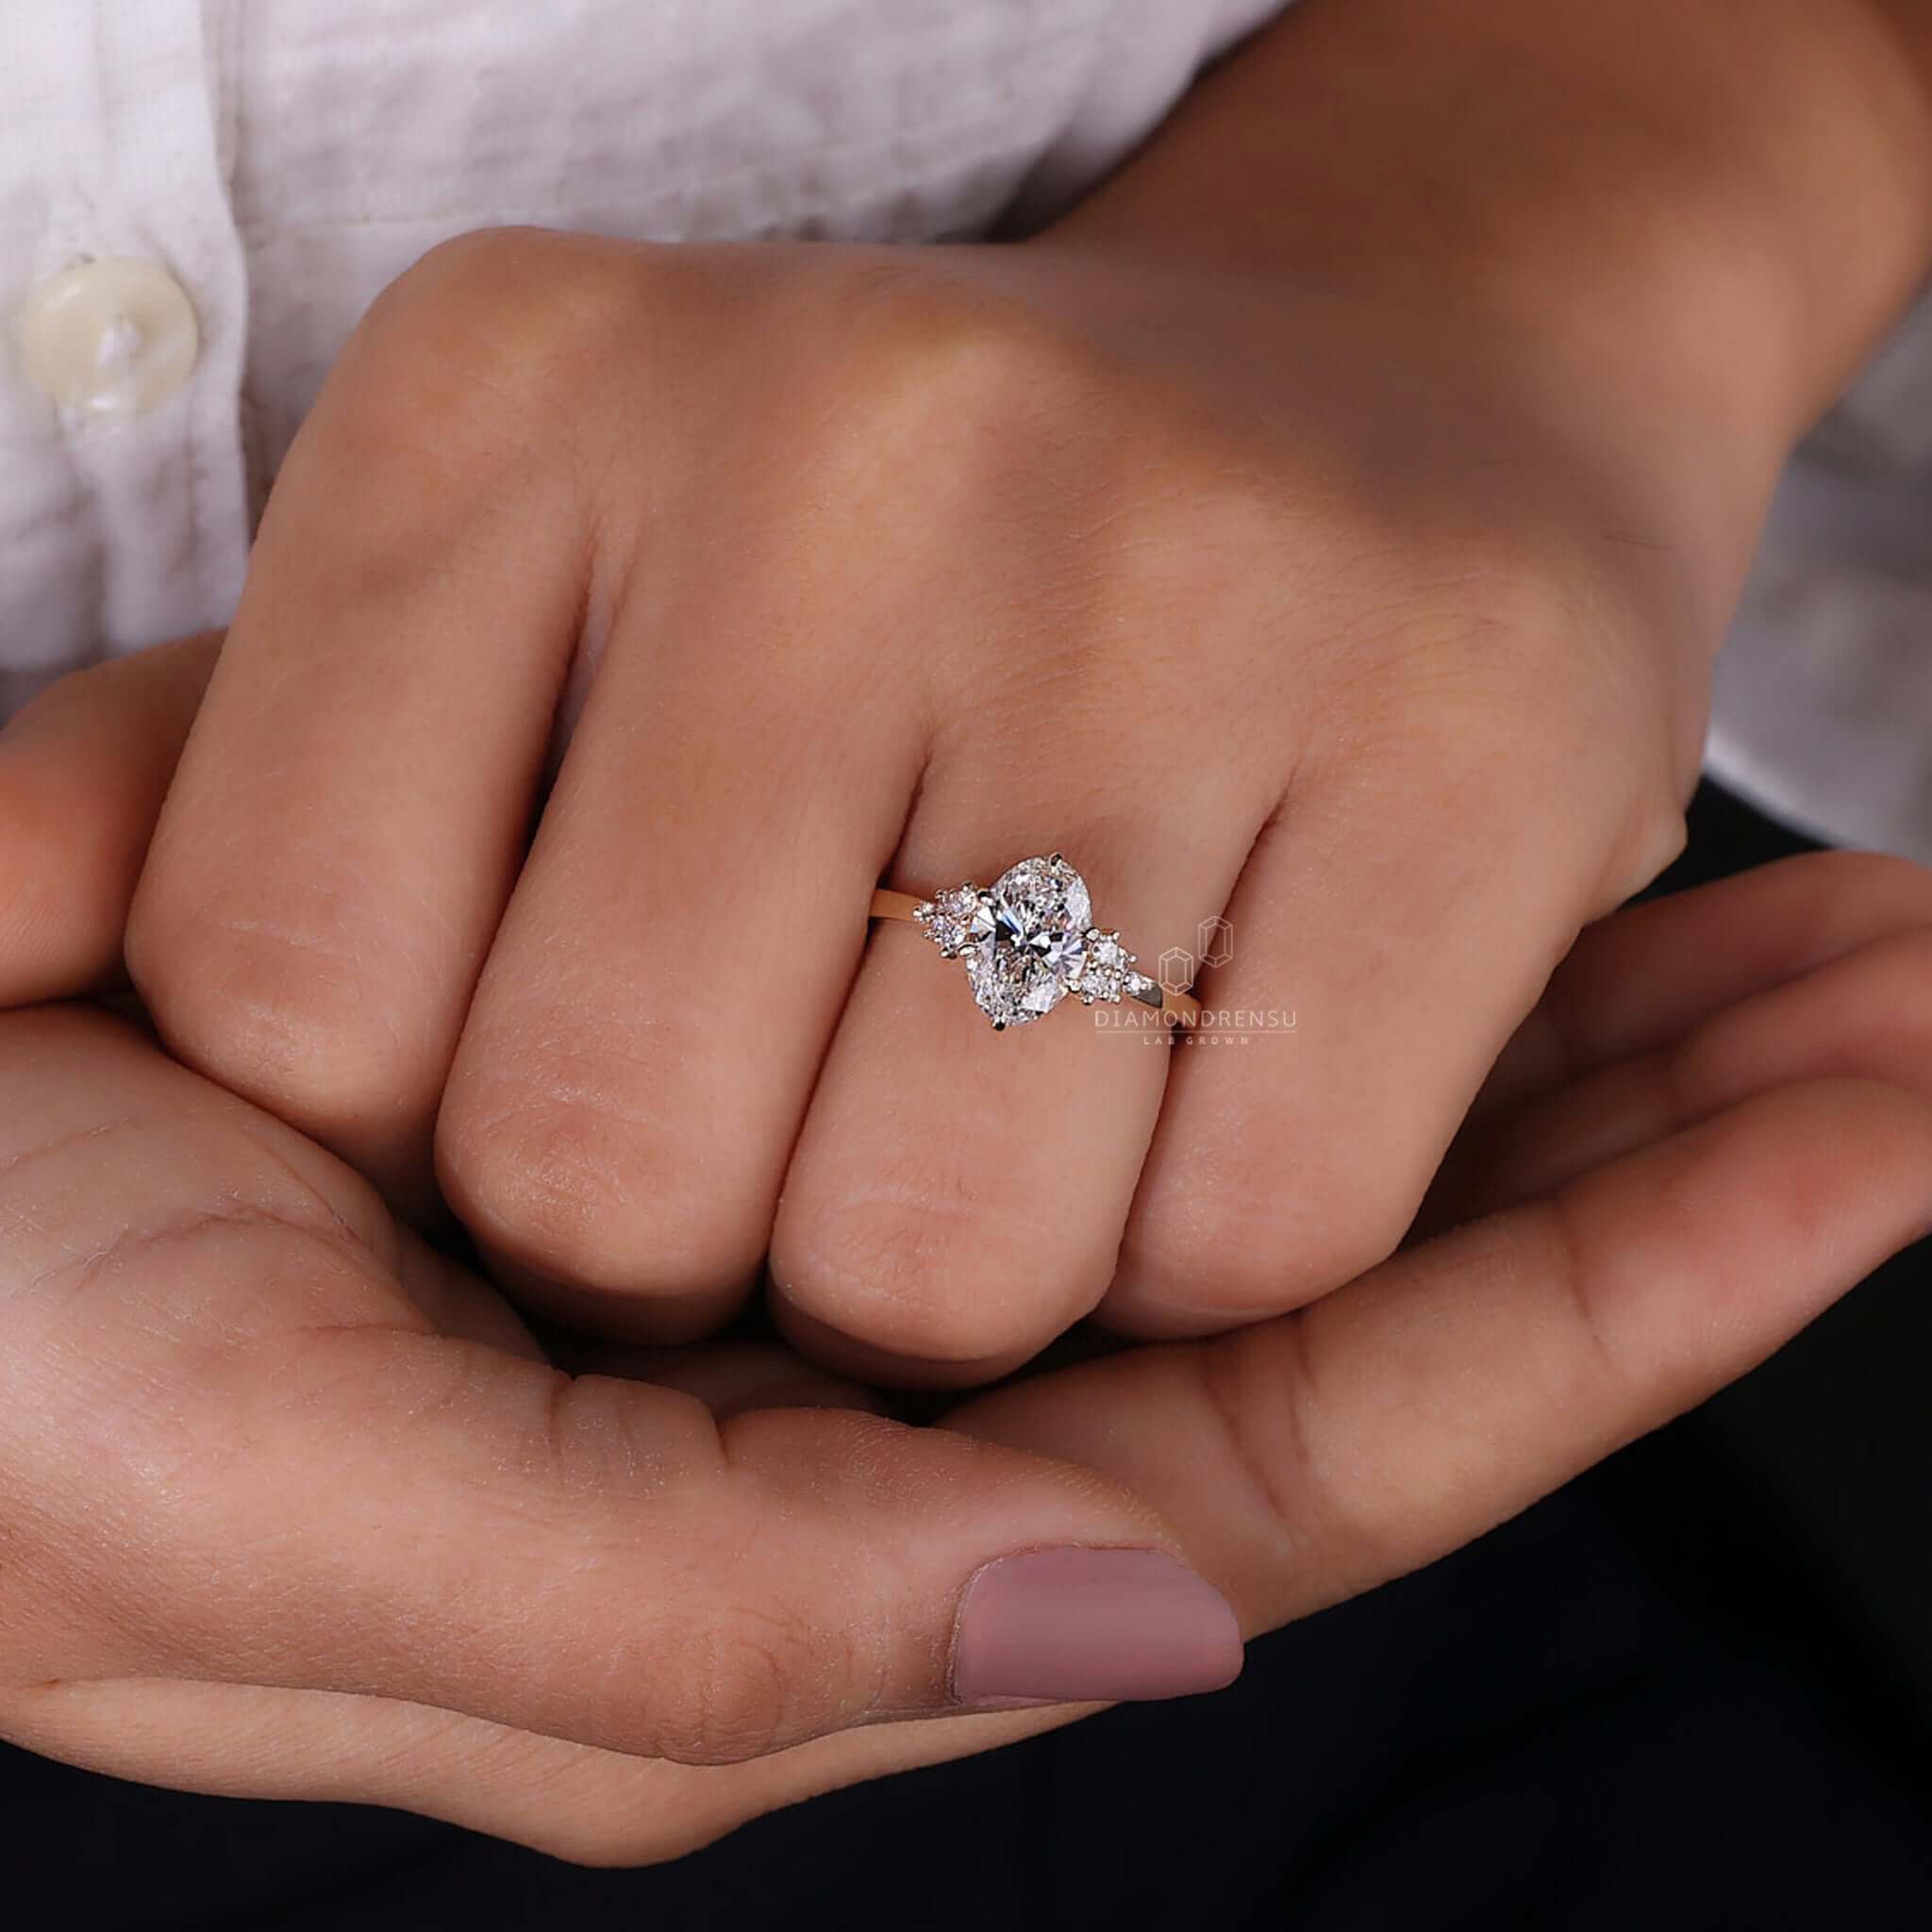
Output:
x,y
1822,711
285,160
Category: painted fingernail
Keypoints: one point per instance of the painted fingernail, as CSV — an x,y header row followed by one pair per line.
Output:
x,y
1065,1625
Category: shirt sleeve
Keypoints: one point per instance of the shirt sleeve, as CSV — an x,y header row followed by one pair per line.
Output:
x,y
1822,712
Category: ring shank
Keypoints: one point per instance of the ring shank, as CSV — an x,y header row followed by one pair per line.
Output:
x,y
1182,1008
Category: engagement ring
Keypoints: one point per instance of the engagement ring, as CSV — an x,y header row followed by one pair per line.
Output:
x,y
1028,940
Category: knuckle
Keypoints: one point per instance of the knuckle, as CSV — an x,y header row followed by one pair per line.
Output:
x,y
472,364
1260,1389
917,1276
274,1007
953,378
563,1162
1502,685
1284,1398
1449,630
538,1175
734,1694
1249,1247
917,327
496,300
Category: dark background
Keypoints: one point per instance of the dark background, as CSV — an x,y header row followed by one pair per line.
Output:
x,y
1694,1689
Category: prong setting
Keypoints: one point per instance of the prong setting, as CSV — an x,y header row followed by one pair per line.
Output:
x,y
1027,941
948,918
1106,969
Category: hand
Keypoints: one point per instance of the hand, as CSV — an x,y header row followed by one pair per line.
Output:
x,y
275,1469
1384,635
294,1507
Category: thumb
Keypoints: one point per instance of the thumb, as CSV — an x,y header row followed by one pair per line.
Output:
x,y
333,1495
83,770
448,1524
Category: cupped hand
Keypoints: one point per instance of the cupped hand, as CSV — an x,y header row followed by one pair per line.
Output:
x,y
254,1432
292,1506
759,576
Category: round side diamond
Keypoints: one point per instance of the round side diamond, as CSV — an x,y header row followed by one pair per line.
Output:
x,y
947,918
1104,972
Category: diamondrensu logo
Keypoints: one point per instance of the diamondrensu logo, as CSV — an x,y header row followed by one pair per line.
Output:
x,y
1213,946
1177,969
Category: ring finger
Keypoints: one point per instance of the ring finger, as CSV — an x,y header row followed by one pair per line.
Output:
x,y
643,1039
959,1192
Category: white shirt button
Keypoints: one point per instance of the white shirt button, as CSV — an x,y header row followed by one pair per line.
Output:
x,y
107,340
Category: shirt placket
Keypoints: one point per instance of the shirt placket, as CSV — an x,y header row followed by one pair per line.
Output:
x,y
130,294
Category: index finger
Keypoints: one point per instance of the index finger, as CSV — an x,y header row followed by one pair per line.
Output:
x,y
413,601
1322,1453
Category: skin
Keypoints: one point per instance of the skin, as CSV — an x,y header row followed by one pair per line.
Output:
x,y
649,1055
1350,567
1358,591
650,1058
590,1615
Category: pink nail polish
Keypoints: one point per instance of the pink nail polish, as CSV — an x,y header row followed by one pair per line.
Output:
x,y
1064,1626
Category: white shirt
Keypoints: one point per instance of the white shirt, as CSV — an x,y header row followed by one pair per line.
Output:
x,y
284,160
267,166
1822,711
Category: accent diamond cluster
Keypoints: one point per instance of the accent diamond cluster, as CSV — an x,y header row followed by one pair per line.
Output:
x,y
1028,943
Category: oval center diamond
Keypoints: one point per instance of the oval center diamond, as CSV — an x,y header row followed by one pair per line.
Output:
x,y
1027,940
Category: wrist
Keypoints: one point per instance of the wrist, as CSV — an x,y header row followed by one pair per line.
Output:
x,y
1717,207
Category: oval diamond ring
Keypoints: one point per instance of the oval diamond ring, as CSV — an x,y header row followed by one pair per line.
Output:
x,y
1028,940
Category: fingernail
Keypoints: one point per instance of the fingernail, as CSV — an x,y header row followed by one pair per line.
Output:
x,y
1065,1625
801,1394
